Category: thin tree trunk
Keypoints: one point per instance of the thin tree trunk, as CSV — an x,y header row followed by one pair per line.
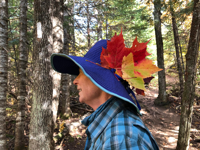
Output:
x,y
73,28
178,47
106,27
72,34
57,48
23,58
3,70
99,28
189,89
41,125
106,22
88,25
65,95
64,98
183,66
162,97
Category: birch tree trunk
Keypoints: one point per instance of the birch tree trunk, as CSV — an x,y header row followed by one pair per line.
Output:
x,y
162,97
189,89
57,48
3,70
23,58
41,125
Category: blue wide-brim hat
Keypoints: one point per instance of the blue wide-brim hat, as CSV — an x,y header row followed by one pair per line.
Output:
x,y
103,78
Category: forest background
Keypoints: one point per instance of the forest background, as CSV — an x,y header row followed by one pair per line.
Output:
x,y
34,97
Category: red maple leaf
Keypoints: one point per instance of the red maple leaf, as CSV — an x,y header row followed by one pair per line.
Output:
x,y
104,63
148,80
140,92
113,55
139,50
116,50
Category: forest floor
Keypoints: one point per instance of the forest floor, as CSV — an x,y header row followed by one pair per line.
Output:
x,y
163,122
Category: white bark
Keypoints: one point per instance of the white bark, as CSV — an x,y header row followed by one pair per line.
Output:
x,y
41,125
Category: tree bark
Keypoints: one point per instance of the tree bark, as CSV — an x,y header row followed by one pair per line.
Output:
x,y
106,27
23,59
57,48
41,125
88,25
162,97
72,34
73,27
189,88
3,70
99,23
177,47
106,22
64,99
65,95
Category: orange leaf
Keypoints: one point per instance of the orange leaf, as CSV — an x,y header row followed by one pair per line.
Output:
x,y
145,69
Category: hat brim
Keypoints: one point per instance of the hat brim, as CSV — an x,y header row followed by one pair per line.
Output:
x,y
101,77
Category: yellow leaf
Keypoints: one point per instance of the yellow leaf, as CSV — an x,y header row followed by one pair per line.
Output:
x,y
136,82
134,74
128,73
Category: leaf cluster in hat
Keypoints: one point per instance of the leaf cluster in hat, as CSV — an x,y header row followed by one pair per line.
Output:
x,y
130,64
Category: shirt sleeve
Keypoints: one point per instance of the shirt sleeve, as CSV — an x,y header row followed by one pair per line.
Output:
x,y
122,142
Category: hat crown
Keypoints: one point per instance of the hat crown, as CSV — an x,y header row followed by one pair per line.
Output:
x,y
95,52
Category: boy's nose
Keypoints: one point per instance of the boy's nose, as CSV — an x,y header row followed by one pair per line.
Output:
x,y
75,81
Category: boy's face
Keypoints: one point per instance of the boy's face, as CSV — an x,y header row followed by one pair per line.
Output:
x,y
88,91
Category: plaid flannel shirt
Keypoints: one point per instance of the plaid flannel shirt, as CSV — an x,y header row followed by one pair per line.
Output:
x,y
113,126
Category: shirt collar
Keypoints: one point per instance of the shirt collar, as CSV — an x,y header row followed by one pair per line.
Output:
x,y
88,120
99,119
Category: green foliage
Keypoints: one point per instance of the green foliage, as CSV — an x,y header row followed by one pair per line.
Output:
x,y
183,19
133,17
8,109
65,116
13,39
78,136
9,136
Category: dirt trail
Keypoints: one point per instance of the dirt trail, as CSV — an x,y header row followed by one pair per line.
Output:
x,y
163,122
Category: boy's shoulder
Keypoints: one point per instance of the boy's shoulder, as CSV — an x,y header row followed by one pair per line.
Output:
x,y
126,126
